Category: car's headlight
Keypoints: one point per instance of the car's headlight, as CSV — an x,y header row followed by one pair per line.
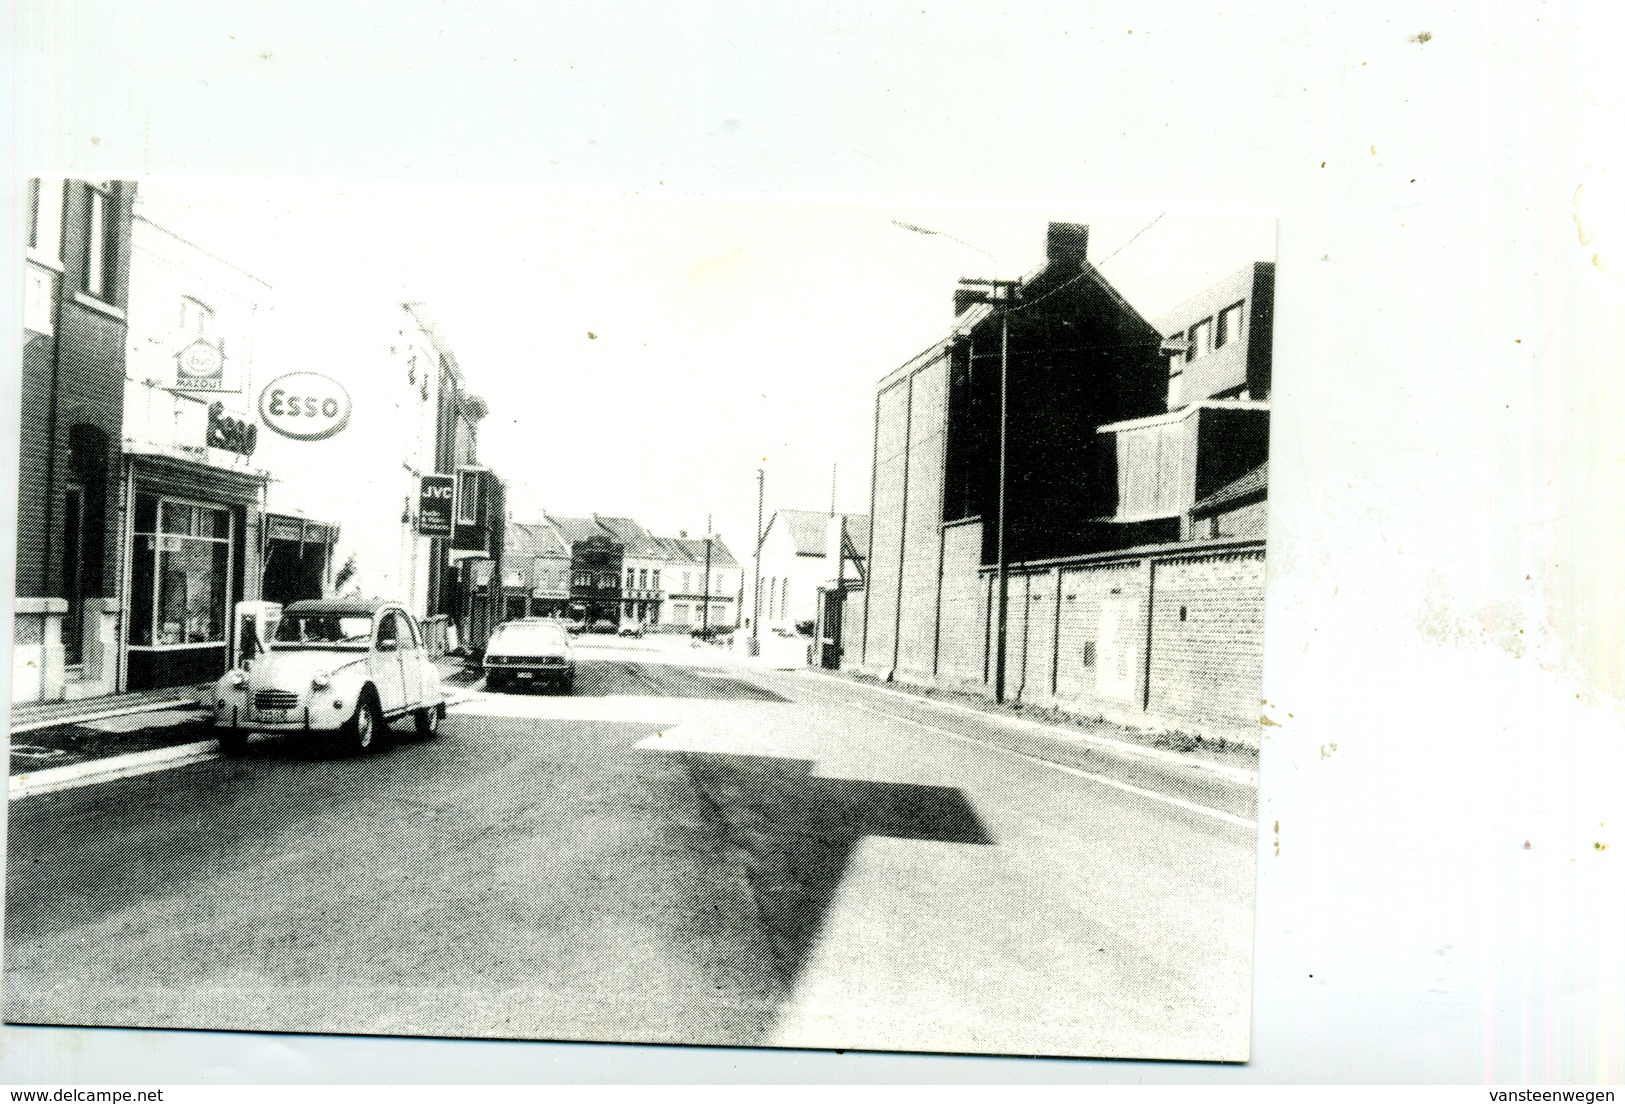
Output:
x,y
236,680
320,682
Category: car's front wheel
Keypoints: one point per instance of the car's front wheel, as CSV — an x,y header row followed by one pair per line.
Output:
x,y
363,732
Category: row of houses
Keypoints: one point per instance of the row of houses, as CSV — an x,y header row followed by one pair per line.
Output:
x,y
1069,501
195,454
602,568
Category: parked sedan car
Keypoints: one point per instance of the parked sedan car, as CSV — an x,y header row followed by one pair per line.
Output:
x,y
530,652
631,628
605,627
343,668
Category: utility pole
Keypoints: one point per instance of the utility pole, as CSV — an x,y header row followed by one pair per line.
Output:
x,y
705,617
999,294
756,583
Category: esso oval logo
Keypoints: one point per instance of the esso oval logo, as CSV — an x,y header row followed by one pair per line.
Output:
x,y
306,406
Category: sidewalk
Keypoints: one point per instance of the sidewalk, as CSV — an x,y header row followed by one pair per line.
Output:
x,y
46,736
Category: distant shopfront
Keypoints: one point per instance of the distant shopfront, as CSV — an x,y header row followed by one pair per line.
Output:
x,y
193,554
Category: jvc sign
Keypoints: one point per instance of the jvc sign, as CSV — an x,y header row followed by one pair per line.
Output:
x,y
434,505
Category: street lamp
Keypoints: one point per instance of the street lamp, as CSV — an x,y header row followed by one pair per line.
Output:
x,y
998,294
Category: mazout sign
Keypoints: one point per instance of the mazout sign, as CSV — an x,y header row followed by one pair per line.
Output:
x,y
306,406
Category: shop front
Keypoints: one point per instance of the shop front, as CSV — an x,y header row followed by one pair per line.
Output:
x,y
192,555
298,558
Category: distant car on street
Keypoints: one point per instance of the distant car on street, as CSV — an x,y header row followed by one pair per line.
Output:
x,y
606,627
530,653
343,668
575,628
631,628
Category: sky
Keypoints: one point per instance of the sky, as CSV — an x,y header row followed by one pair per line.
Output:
x,y
645,354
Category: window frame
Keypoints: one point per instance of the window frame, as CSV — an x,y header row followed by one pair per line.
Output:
x,y
158,537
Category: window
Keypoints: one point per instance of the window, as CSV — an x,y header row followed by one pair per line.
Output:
x,y
1201,339
643,578
468,498
687,579
1230,323
33,212
772,594
607,582
784,600
101,240
196,317
583,579
657,578
181,574
388,632
631,578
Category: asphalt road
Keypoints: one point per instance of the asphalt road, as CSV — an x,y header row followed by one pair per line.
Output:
x,y
678,852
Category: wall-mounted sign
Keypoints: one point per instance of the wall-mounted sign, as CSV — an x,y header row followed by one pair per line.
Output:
x,y
231,434
201,366
306,406
434,505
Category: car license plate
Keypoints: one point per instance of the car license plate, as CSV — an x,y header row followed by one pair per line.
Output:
x,y
524,674
273,716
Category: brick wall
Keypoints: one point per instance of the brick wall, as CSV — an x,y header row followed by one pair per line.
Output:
x,y
1207,637
1118,591
1077,634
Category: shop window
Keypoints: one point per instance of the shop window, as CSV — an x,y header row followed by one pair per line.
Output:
x,y
181,574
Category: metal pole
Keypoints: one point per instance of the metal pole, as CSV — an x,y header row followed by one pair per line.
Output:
x,y
705,618
756,582
1004,566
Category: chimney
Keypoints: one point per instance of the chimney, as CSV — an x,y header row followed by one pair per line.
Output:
x,y
965,299
1068,244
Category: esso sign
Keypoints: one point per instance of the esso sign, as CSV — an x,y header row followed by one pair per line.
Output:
x,y
306,406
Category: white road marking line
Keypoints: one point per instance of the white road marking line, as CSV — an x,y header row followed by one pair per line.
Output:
x,y
1236,774
1180,803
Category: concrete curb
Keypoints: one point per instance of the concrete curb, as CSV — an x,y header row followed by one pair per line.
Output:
x,y
1234,774
107,714
54,779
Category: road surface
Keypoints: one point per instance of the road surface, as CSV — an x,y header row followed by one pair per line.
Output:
x,y
680,851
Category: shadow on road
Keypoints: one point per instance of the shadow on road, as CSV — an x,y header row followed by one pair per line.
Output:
x,y
799,832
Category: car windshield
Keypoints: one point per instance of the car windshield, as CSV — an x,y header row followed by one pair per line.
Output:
x,y
323,630
520,638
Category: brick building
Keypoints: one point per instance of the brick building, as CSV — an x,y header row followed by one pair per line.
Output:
x,y
76,287
1079,357
1135,502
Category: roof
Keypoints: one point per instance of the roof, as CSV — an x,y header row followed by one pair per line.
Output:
x,y
578,529
1254,484
363,607
806,529
1183,412
692,550
636,540
524,539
